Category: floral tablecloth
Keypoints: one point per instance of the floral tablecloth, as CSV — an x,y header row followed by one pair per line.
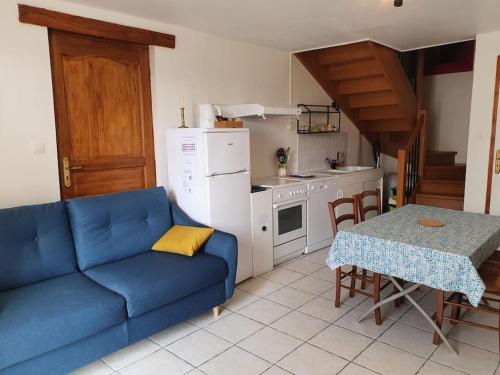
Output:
x,y
443,258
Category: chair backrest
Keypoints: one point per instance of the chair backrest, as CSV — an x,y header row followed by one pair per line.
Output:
x,y
116,226
364,208
35,245
336,220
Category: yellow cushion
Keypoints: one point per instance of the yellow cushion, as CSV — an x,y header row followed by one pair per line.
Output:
x,y
183,240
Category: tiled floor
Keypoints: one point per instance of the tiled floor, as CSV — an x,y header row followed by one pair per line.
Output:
x,y
285,323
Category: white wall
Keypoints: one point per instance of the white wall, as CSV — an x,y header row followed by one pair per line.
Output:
x,y
26,113
487,50
447,97
202,68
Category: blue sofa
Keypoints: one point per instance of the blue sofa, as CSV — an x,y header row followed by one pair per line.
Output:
x,y
78,280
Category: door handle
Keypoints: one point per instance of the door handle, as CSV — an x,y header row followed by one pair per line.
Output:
x,y
497,162
67,171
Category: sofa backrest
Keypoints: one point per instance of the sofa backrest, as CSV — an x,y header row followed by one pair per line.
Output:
x,y
116,226
35,244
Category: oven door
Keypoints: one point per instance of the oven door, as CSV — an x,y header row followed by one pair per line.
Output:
x,y
289,219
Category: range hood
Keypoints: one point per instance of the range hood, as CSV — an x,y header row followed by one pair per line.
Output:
x,y
233,111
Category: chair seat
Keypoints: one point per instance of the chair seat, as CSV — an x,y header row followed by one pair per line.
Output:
x,y
153,279
47,315
490,274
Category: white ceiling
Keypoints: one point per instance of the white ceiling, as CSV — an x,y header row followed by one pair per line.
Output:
x,y
296,25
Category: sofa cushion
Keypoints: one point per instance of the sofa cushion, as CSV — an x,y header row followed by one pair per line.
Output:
x,y
35,244
48,315
150,280
116,226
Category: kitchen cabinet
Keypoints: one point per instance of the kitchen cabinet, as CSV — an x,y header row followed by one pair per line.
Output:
x,y
262,230
319,228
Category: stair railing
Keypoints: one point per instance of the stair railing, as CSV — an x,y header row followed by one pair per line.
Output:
x,y
411,160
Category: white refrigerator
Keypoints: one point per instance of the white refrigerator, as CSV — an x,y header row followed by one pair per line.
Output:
x,y
209,178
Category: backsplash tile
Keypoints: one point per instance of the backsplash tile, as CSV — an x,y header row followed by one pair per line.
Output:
x,y
314,148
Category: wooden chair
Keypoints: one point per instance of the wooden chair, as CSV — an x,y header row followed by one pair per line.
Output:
x,y
353,273
490,274
363,210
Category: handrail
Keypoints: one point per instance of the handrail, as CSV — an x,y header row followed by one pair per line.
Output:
x,y
411,161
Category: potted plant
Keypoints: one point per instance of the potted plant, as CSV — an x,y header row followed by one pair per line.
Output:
x,y
282,156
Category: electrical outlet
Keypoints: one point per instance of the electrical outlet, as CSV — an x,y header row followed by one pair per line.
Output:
x,y
38,148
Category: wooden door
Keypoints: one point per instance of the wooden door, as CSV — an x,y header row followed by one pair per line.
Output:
x,y
102,99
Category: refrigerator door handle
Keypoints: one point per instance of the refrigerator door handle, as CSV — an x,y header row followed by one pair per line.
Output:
x,y
223,173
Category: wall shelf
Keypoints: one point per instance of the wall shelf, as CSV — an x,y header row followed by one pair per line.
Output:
x,y
318,119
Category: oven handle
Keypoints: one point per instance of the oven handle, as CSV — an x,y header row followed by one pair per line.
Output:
x,y
278,205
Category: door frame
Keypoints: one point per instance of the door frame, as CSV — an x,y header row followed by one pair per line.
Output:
x,y
491,154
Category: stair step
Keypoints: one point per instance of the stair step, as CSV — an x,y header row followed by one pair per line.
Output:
x,y
355,70
444,172
345,54
453,202
371,84
372,99
440,157
388,112
376,126
454,187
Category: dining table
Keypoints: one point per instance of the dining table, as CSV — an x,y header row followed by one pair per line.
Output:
x,y
398,245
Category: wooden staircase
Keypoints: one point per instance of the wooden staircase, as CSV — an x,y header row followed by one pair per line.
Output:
x,y
369,84
372,88
443,182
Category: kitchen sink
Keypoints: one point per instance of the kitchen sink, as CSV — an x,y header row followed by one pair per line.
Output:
x,y
348,169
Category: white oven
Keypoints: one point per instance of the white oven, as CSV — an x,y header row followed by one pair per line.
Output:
x,y
289,220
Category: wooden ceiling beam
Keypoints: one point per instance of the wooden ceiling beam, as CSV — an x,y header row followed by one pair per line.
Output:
x,y
87,26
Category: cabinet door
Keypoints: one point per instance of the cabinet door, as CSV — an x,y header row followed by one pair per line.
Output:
x,y
347,191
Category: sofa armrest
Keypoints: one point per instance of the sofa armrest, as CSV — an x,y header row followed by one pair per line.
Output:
x,y
220,244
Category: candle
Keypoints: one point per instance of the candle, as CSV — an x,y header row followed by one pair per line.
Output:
x,y
182,101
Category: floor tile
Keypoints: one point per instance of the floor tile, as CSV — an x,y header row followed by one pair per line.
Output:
x,y
433,368
174,333
470,359
283,276
290,297
264,311
387,360
326,273
198,347
308,360
234,327
270,344
208,317
300,325
408,338
159,362
235,360
482,338
325,309
344,297
415,319
318,256
388,310
239,300
354,369
340,341
367,327
259,286
130,354
312,285
94,368
303,266
196,372
275,370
